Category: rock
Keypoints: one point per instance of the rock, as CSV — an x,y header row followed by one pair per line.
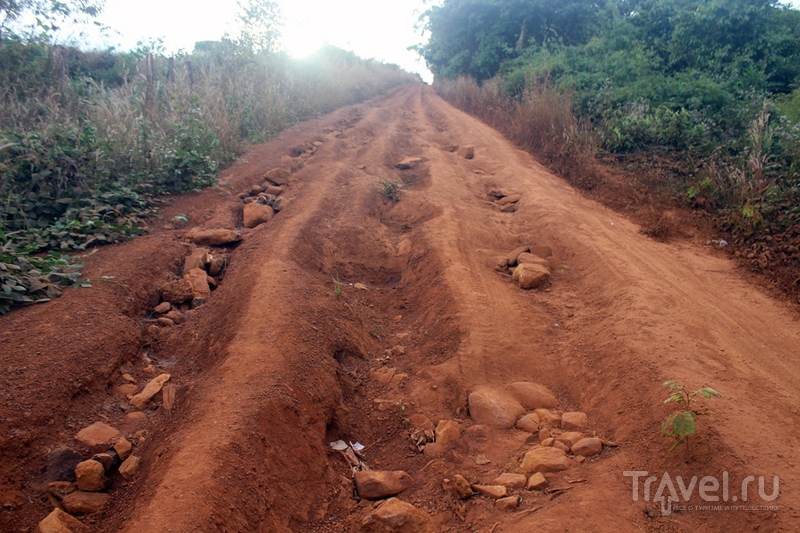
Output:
x,y
175,316
60,522
383,375
217,265
96,434
511,258
569,438
509,503
433,449
529,423
273,190
531,259
532,395
164,321
548,442
197,259
278,176
91,476
129,467
104,459
59,489
177,292
510,208
198,280
542,251
212,283
214,237
127,377
151,389
447,431
558,445
163,307
529,276
481,460
255,190
133,422
395,515
467,151
84,502
574,421
494,408
510,199
374,485
511,481
422,422
408,163
60,466
493,491
548,419
588,447
545,460
537,481
125,390
256,214
458,487
123,448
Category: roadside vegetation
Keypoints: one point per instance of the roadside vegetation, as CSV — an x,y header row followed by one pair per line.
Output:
x,y
89,138
697,102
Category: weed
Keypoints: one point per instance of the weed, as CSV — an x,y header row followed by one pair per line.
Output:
x,y
681,424
337,287
391,190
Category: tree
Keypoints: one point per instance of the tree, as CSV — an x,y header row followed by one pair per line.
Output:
x,y
46,15
261,22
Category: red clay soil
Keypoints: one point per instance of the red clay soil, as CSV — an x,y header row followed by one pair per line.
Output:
x,y
276,365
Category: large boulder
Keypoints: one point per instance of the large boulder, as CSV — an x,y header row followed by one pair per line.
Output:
x,y
255,214
374,485
530,276
213,237
494,408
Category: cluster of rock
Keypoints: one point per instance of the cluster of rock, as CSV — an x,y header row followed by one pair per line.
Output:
x,y
530,266
263,200
82,489
504,201
467,151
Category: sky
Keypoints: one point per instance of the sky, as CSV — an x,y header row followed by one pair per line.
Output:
x,y
371,28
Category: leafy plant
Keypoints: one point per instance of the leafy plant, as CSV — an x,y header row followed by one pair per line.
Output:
x,y
391,189
681,424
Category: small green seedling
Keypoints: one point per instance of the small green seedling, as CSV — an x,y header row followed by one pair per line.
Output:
x,y
391,189
680,425
337,286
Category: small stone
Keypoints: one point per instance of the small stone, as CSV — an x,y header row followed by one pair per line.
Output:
x,y
493,491
151,389
494,408
529,423
529,276
545,460
125,390
123,448
84,502
548,442
197,259
569,438
274,190
408,163
588,447
467,151
510,208
177,292
256,214
166,322
561,446
217,265
422,422
511,258
255,190
213,237
510,199
482,460
533,395
383,375
511,481
433,449
374,485
175,316
104,459
458,487
129,467
509,503
542,251
574,421
537,481
544,434
198,280
61,488
91,476
447,432
548,419
395,515
60,522
278,176
96,434
127,377
162,308
534,260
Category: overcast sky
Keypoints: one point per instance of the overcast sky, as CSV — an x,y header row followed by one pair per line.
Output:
x,y
382,29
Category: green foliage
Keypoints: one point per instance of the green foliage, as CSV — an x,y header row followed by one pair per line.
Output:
x,y
390,190
681,424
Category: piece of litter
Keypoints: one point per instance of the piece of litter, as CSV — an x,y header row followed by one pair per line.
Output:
x,y
339,445
357,446
361,287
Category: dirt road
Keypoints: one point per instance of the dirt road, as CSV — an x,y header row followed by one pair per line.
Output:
x,y
276,365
